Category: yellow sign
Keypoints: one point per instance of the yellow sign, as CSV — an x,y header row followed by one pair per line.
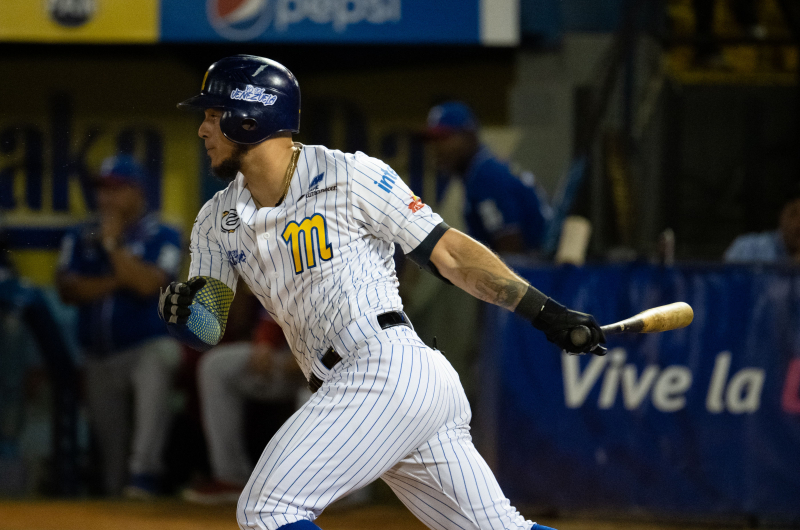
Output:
x,y
79,21
71,120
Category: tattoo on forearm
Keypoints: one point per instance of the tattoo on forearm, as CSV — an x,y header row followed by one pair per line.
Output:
x,y
489,287
481,273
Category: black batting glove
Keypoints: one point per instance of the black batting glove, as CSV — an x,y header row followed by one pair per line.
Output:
x,y
557,322
174,302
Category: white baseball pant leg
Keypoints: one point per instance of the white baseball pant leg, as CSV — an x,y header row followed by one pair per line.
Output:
x,y
392,408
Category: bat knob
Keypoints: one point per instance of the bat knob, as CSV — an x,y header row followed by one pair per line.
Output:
x,y
580,336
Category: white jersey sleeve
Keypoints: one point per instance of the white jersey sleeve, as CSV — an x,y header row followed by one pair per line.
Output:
x,y
208,256
386,205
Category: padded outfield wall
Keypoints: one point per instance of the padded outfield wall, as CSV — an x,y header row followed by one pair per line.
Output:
x,y
698,422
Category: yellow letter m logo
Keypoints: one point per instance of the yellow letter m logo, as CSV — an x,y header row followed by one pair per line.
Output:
x,y
303,235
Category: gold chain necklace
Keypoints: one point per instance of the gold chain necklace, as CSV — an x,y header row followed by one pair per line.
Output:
x,y
287,179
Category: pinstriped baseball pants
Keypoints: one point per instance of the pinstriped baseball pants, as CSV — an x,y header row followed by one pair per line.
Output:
x,y
392,409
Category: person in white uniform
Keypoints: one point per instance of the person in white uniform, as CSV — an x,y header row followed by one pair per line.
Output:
x,y
312,232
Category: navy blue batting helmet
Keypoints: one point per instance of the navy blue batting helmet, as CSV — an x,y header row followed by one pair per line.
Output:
x,y
258,96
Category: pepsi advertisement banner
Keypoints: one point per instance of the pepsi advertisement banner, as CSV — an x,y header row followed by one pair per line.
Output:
x,y
492,22
702,421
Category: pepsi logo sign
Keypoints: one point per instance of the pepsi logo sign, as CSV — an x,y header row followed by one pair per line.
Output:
x,y
239,19
247,19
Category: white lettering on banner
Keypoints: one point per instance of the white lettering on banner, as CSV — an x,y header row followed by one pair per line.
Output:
x,y
608,392
576,388
744,391
718,378
633,392
341,13
667,388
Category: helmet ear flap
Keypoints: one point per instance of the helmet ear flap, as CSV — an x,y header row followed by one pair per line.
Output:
x,y
239,127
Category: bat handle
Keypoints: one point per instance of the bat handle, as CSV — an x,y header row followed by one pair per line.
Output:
x,y
581,335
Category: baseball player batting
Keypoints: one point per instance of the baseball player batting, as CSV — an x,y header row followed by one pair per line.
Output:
x,y
312,232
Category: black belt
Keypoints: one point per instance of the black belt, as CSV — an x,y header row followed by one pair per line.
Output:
x,y
331,358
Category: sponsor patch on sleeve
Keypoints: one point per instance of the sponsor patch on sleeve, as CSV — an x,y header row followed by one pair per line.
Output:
x,y
416,204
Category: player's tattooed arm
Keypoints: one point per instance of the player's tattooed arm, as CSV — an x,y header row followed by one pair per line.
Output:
x,y
494,288
477,270
474,268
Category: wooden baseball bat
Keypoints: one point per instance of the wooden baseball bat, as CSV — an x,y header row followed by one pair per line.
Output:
x,y
662,318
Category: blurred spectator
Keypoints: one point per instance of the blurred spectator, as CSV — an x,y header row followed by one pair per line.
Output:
x,y
263,369
112,270
776,246
27,318
707,51
507,212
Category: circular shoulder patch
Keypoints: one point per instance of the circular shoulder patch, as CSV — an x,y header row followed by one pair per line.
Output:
x,y
230,220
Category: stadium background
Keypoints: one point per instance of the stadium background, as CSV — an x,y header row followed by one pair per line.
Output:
x,y
707,154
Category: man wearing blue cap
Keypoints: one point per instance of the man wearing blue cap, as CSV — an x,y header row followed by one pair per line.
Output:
x,y
113,269
505,211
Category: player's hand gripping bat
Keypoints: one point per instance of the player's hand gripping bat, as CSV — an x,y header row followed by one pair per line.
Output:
x,y
662,318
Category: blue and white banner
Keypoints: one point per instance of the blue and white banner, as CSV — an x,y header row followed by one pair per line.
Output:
x,y
699,421
489,22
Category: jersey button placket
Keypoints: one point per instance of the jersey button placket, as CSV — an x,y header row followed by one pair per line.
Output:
x,y
262,235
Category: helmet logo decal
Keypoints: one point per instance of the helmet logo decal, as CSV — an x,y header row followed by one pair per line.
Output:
x,y
254,94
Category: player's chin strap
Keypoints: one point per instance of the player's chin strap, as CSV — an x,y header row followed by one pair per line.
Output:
x,y
205,325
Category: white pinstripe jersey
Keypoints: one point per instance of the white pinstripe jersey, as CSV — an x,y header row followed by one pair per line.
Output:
x,y
323,257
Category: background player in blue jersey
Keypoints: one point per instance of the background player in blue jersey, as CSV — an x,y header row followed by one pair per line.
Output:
x,y
312,232
112,270
506,211
775,246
